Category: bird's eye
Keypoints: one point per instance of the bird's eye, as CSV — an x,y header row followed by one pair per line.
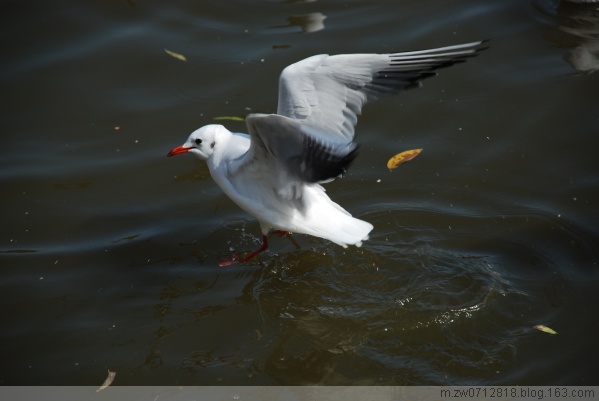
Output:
x,y
198,141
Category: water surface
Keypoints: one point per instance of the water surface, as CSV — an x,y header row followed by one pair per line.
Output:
x,y
109,250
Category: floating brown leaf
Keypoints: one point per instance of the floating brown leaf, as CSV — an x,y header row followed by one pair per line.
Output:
x,y
545,329
402,157
108,381
175,55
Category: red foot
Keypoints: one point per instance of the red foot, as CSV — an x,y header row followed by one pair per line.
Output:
x,y
236,259
229,261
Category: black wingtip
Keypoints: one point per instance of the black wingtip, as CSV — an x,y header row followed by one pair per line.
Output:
x,y
485,47
320,161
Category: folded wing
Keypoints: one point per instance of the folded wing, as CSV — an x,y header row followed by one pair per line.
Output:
x,y
295,154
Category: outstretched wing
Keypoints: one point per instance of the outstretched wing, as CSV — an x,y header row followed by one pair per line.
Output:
x,y
328,92
310,140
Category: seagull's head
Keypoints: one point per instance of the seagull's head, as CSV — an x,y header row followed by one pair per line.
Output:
x,y
201,142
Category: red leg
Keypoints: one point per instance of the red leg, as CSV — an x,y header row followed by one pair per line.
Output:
x,y
236,259
287,234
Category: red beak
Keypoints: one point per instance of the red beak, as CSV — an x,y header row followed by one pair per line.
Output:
x,y
177,151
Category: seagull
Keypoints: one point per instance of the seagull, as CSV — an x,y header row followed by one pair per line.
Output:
x,y
275,172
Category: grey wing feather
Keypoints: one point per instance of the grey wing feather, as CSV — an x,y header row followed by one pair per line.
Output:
x,y
328,92
295,154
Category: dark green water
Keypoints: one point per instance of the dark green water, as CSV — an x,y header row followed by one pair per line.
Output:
x,y
109,250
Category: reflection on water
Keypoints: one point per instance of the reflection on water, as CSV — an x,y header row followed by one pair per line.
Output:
x,y
336,315
582,24
578,30
308,23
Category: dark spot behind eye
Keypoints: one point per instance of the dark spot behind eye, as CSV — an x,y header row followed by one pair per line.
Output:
x,y
212,144
198,141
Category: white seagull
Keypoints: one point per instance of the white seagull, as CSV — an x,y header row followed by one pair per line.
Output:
x,y
275,172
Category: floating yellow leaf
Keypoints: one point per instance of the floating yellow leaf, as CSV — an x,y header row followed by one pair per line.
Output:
x,y
545,329
402,157
176,55
232,118
108,381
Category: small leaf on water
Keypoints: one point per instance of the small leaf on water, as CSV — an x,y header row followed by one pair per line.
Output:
x,y
108,381
402,157
545,329
231,118
176,55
